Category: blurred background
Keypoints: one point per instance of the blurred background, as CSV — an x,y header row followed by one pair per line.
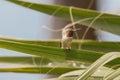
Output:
x,y
23,23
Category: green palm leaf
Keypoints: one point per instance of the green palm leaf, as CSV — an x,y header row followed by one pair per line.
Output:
x,y
34,64
49,52
29,60
54,53
41,70
86,45
104,21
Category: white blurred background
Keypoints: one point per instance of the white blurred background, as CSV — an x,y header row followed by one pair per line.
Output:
x,y
108,6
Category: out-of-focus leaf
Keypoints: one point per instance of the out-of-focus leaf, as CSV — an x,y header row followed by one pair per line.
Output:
x,y
36,65
24,60
41,70
101,72
98,64
50,52
113,75
86,45
55,53
98,20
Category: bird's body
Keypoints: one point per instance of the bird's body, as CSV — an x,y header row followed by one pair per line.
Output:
x,y
67,36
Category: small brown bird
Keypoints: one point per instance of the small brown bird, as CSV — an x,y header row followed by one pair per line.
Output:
x,y
67,36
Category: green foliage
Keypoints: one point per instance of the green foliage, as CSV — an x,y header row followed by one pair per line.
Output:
x,y
86,44
46,52
40,70
51,52
97,64
98,20
30,64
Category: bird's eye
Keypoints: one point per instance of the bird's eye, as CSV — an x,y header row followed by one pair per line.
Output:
x,y
70,33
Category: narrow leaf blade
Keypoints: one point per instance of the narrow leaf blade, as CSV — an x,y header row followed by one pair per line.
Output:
x,y
54,53
41,70
86,45
98,20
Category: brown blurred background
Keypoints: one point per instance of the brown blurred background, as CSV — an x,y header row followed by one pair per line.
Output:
x,y
87,4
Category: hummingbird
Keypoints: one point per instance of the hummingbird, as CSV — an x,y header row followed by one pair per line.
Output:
x,y
67,36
